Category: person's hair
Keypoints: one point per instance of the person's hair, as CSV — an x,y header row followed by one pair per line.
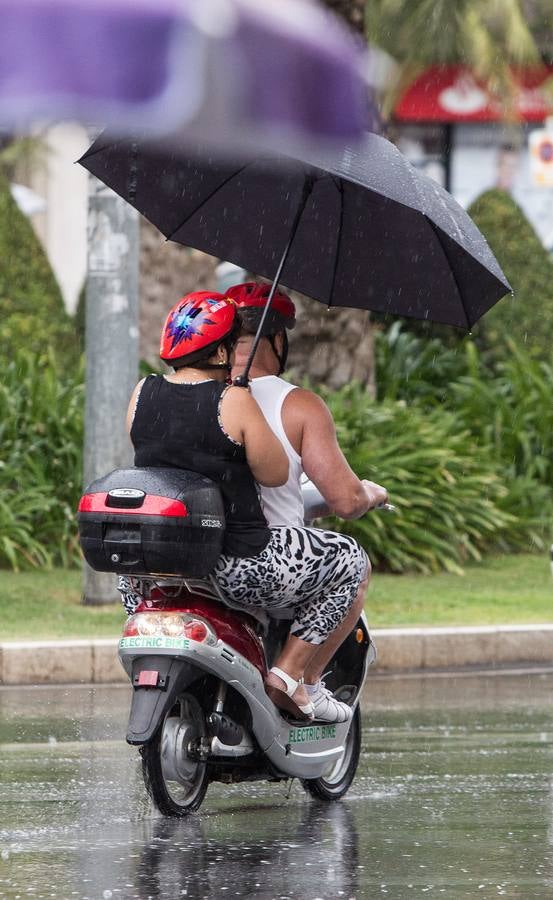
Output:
x,y
250,318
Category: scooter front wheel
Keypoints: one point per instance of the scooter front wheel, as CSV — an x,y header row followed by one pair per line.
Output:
x,y
337,781
175,778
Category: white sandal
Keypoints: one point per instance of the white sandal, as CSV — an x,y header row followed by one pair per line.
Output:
x,y
283,699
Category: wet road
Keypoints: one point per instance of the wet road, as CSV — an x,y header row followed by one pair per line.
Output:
x,y
454,797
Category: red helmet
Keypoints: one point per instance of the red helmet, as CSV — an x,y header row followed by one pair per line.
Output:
x,y
195,327
251,298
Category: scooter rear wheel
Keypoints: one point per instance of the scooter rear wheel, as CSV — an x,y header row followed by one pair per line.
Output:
x,y
176,781
336,783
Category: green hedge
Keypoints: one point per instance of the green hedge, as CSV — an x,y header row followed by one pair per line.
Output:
x,y
32,314
41,434
528,316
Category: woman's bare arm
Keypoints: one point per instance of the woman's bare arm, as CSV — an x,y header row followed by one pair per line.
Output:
x,y
132,404
244,422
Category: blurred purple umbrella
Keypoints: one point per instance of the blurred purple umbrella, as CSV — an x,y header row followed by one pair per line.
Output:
x,y
231,71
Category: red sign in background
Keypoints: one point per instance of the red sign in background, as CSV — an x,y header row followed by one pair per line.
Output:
x,y
454,94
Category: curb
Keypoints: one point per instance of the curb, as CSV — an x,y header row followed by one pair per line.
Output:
x,y
399,650
483,646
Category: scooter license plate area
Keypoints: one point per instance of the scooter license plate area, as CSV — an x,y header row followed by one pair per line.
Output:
x,y
147,678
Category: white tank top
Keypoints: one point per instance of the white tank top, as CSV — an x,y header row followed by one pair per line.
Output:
x,y
281,505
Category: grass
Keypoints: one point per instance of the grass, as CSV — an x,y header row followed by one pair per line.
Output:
x,y
502,590
46,604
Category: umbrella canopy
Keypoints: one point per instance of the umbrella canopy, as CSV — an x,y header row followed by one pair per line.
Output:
x,y
362,228
229,71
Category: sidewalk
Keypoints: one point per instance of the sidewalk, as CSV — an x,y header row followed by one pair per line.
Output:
x,y
399,649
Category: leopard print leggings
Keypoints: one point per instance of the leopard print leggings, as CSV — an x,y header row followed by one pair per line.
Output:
x,y
314,572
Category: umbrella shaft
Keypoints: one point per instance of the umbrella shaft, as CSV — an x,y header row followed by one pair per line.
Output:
x,y
242,380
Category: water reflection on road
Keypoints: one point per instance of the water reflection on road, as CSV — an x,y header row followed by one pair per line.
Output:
x,y
453,798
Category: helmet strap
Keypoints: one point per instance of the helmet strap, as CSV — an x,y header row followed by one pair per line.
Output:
x,y
283,356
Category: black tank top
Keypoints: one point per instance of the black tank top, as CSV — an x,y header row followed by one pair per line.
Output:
x,y
178,425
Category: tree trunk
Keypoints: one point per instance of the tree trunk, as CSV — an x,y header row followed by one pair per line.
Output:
x,y
331,346
167,272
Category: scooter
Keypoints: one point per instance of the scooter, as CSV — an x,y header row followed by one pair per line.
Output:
x,y
199,710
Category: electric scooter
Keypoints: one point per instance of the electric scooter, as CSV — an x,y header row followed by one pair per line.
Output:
x,y
199,710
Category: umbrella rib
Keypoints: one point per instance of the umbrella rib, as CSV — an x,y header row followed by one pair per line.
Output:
x,y
436,231
336,181
340,186
205,200
92,152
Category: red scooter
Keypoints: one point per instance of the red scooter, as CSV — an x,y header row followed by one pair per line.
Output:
x,y
199,709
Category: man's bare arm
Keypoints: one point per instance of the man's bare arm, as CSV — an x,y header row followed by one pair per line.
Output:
x,y
310,427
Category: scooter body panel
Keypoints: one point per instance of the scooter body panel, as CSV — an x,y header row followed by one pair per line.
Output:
x,y
150,705
293,750
233,627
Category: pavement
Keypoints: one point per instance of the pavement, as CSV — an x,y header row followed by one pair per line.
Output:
x,y
399,650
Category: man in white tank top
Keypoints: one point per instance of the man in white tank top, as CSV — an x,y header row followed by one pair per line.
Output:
x,y
304,425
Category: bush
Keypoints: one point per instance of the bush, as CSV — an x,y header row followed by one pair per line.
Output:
x,y
41,433
511,411
32,314
453,501
415,368
528,316
468,478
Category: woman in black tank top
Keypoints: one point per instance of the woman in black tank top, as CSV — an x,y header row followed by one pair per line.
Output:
x,y
196,421
193,420
179,424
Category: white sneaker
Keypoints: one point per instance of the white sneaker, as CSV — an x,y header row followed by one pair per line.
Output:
x,y
326,708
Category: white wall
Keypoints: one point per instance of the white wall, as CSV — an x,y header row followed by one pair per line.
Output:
x,y
62,225
480,163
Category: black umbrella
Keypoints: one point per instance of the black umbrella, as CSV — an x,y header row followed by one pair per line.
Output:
x,y
357,228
